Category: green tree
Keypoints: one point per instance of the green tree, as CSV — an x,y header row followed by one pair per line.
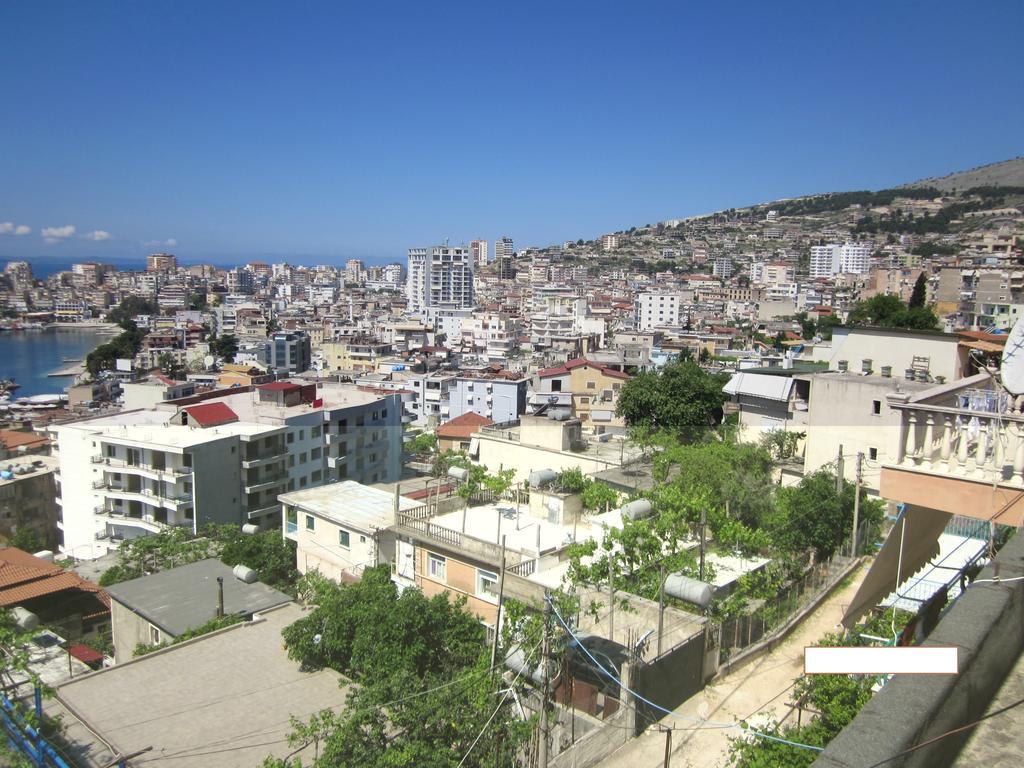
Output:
x,y
815,515
129,307
224,347
26,539
422,444
681,398
919,294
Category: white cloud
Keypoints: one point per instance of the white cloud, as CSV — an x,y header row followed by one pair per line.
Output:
x,y
22,229
6,227
53,234
97,235
168,243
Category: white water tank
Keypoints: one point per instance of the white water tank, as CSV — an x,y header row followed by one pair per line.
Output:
x,y
24,618
244,573
690,590
458,473
249,529
541,477
636,510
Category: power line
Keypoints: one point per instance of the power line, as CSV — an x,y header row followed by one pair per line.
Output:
x,y
710,723
952,732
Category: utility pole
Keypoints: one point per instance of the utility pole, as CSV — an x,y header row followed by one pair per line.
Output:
x,y
542,747
856,503
497,619
703,527
668,746
839,470
611,597
661,607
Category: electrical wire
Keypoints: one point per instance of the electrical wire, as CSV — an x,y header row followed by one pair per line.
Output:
x,y
526,660
702,721
951,732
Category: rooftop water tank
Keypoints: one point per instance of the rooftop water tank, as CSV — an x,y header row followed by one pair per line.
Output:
x,y
458,473
541,477
692,591
249,529
636,510
243,573
25,619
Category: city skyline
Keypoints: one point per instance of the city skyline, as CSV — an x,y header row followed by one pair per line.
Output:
x,y
321,138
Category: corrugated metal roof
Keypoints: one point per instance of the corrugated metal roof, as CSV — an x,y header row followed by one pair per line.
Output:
x,y
758,385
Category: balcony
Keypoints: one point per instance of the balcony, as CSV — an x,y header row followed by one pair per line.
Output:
x,y
267,481
261,461
263,511
961,451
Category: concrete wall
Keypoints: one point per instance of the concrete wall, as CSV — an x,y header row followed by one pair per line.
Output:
x,y
496,452
985,625
320,549
128,630
461,580
896,349
217,482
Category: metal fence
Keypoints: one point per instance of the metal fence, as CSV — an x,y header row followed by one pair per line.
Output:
x,y
744,630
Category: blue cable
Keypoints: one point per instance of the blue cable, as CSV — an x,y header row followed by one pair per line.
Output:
x,y
650,703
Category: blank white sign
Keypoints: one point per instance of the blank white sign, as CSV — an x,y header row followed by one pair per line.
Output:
x,y
936,660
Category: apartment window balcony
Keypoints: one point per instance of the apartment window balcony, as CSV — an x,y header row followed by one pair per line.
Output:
x,y
960,450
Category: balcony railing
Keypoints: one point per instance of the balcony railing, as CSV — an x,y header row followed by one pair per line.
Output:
x,y
963,429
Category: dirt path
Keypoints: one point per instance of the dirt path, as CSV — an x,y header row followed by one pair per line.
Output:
x,y
758,687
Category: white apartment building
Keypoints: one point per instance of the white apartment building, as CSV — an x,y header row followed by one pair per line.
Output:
x,y
609,242
833,259
223,460
722,267
654,310
439,277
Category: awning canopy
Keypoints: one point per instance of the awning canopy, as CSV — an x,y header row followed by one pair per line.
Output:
x,y
919,528
983,346
759,385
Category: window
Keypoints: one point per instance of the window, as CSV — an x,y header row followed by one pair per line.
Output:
x,y
876,407
291,460
343,539
315,477
315,453
291,518
291,437
437,566
315,432
556,385
362,539
302,434
155,636
872,453
591,385
303,457
584,401
487,585
384,413
303,482
310,523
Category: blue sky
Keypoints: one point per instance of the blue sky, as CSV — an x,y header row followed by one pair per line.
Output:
x,y
324,131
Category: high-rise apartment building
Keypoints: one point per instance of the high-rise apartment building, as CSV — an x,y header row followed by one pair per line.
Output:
x,y
833,259
161,262
240,280
655,310
355,271
440,277
222,460
609,242
503,247
478,252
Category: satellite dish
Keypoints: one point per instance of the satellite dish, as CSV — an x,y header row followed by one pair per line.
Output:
x,y
1011,371
208,361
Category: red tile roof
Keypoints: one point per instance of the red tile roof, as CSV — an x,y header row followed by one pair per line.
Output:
x,y
211,414
279,386
579,362
12,438
24,577
463,426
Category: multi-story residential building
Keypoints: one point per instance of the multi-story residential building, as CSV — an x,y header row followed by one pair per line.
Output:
x,y
28,498
609,242
240,281
722,267
355,271
506,267
439,277
497,394
833,259
478,252
503,248
342,528
290,351
659,310
161,262
585,390
221,460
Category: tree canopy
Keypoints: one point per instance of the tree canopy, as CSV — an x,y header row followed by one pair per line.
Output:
x,y
887,311
681,398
